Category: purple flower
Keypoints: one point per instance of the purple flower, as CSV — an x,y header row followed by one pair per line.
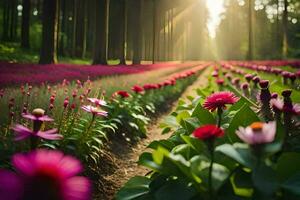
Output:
x,y
44,174
257,133
97,102
38,115
23,133
95,110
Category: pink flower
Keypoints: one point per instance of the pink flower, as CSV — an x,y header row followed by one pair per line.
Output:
x,y
23,133
220,81
219,100
258,133
95,110
97,102
137,89
47,175
38,115
279,105
208,132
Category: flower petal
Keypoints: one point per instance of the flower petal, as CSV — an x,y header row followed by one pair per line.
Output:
x,y
77,188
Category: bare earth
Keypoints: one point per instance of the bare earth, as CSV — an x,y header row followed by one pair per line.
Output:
x,y
124,157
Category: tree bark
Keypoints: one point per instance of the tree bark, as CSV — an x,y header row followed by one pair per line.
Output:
x,y
124,33
137,34
49,33
5,20
154,14
25,31
101,32
250,36
285,30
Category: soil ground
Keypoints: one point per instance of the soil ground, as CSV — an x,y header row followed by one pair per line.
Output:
x,y
123,157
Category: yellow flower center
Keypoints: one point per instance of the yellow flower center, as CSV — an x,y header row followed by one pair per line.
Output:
x,y
257,126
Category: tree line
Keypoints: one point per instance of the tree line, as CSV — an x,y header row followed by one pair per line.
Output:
x,y
136,30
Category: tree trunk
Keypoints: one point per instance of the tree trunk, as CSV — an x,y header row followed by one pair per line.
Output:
x,y
250,36
285,30
137,34
25,39
49,33
124,33
80,42
101,32
62,38
5,20
154,29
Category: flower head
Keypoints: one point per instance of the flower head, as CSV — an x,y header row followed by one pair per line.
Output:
x,y
220,82
137,89
38,114
208,132
97,102
45,174
123,94
219,100
95,110
258,133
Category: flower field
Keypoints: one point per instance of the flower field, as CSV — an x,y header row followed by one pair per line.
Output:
x,y
236,139
14,73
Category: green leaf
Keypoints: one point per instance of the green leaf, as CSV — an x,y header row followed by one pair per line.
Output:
x,y
135,188
293,184
264,179
288,164
196,144
181,116
238,152
203,115
244,117
175,189
200,168
163,143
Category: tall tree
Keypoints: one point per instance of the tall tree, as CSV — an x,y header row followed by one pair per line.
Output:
x,y
250,27
137,34
25,30
154,31
101,32
124,32
285,29
49,33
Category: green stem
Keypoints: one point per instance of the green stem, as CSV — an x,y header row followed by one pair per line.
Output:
x,y
220,111
210,173
92,121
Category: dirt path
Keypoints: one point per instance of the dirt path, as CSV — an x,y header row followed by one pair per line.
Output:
x,y
125,158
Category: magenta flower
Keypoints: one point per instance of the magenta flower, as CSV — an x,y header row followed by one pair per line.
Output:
x,y
97,102
23,133
38,115
137,89
95,110
219,100
258,133
44,174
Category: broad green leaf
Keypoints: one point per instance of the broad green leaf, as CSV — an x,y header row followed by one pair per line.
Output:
x,y
135,188
288,164
244,117
238,152
181,116
293,184
265,180
203,115
196,144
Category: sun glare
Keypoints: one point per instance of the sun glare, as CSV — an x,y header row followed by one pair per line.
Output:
x,y
215,8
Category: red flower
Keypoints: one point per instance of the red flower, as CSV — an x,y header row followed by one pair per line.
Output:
x,y
123,94
208,132
219,100
137,89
